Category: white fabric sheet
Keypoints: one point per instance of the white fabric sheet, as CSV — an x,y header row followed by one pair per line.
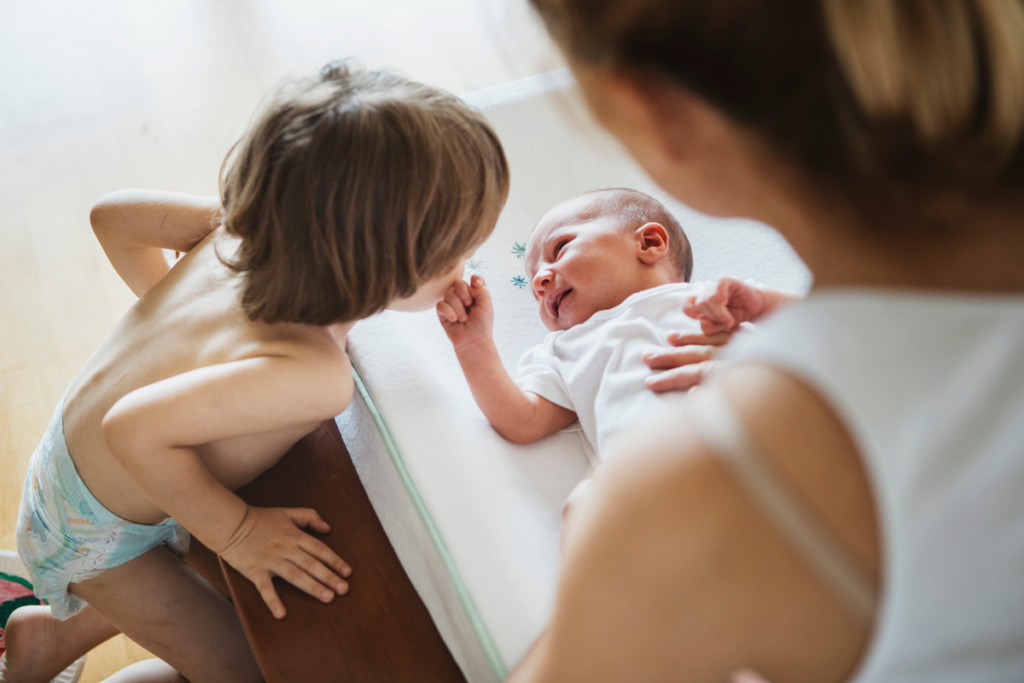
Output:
x,y
474,519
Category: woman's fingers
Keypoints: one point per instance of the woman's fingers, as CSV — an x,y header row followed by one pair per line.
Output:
x,y
680,378
674,358
699,339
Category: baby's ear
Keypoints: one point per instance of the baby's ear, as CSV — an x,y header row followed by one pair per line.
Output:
x,y
652,242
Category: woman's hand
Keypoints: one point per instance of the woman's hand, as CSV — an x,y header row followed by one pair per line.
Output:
x,y
271,542
686,364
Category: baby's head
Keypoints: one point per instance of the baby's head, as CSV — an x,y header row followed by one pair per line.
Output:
x,y
592,252
355,191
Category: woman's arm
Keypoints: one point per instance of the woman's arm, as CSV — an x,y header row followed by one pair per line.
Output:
x,y
134,226
671,574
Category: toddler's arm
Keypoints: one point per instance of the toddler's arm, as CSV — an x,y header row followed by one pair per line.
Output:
x,y
153,432
133,226
520,416
724,305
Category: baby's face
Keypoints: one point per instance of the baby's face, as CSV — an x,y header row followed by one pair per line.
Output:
x,y
580,261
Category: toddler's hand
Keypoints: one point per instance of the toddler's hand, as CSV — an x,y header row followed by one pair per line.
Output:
x,y
722,306
466,313
270,542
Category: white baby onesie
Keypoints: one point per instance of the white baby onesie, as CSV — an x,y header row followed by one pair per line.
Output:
x,y
596,368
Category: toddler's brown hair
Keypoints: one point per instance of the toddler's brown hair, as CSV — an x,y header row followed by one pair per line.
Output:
x,y
353,189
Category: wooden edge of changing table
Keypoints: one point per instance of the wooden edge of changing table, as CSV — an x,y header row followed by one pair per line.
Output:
x,y
380,630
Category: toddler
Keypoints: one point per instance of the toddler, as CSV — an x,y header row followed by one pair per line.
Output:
x,y
352,192
611,273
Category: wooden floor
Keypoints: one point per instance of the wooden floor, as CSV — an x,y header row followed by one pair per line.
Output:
x,y
96,96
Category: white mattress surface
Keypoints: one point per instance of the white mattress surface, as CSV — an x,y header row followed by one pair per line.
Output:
x,y
474,519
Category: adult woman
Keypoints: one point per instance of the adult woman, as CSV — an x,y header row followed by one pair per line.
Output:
x,y
867,519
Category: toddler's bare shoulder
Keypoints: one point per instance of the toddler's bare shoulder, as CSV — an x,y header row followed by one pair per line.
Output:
x,y
322,371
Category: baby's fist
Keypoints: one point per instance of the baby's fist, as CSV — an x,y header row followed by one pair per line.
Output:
x,y
723,305
465,312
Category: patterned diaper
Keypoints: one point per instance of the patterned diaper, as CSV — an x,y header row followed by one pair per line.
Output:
x,y
66,536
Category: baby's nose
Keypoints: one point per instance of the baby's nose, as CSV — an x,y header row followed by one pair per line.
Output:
x,y
541,281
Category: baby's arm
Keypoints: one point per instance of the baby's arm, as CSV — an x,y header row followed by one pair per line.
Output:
x,y
520,416
153,432
133,226
725,304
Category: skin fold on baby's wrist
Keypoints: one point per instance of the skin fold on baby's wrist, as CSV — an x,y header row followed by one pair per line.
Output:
x,y
477,348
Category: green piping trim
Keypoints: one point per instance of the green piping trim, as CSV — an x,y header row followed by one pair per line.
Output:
x,y
497,663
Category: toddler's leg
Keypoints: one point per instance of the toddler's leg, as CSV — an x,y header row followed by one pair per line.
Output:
x,y
164,606
39,647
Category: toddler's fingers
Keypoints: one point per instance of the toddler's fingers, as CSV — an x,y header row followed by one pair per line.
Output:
x,y
266,589
320,550
298,577
307,518
477,282
315,568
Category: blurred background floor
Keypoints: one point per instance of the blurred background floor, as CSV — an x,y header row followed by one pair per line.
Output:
x,y
119,93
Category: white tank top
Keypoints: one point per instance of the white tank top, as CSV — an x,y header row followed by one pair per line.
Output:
x,y
931,389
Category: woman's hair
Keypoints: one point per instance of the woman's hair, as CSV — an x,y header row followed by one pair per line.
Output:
x,y
903,107
353,189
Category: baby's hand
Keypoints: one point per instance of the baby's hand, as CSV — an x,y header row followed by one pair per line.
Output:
x,y
270,542
466,313
722,306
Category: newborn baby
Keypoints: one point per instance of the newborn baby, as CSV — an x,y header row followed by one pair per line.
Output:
x,y
610,271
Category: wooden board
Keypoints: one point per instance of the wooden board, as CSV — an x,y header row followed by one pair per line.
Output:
x,y
380,630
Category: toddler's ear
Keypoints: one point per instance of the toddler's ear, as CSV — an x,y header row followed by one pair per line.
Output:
x,y
652,242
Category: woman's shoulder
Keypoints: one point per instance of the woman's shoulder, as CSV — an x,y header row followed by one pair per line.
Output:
x,y
673,545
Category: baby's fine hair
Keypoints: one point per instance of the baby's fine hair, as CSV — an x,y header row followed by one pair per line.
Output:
x,y
352,189
637,209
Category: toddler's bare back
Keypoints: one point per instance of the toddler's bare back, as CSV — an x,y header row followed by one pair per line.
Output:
x,y
191,319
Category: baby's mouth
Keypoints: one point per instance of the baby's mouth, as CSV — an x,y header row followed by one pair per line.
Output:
x,y
556,301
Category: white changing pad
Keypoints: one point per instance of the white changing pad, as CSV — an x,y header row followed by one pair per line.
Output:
x,y
474,519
